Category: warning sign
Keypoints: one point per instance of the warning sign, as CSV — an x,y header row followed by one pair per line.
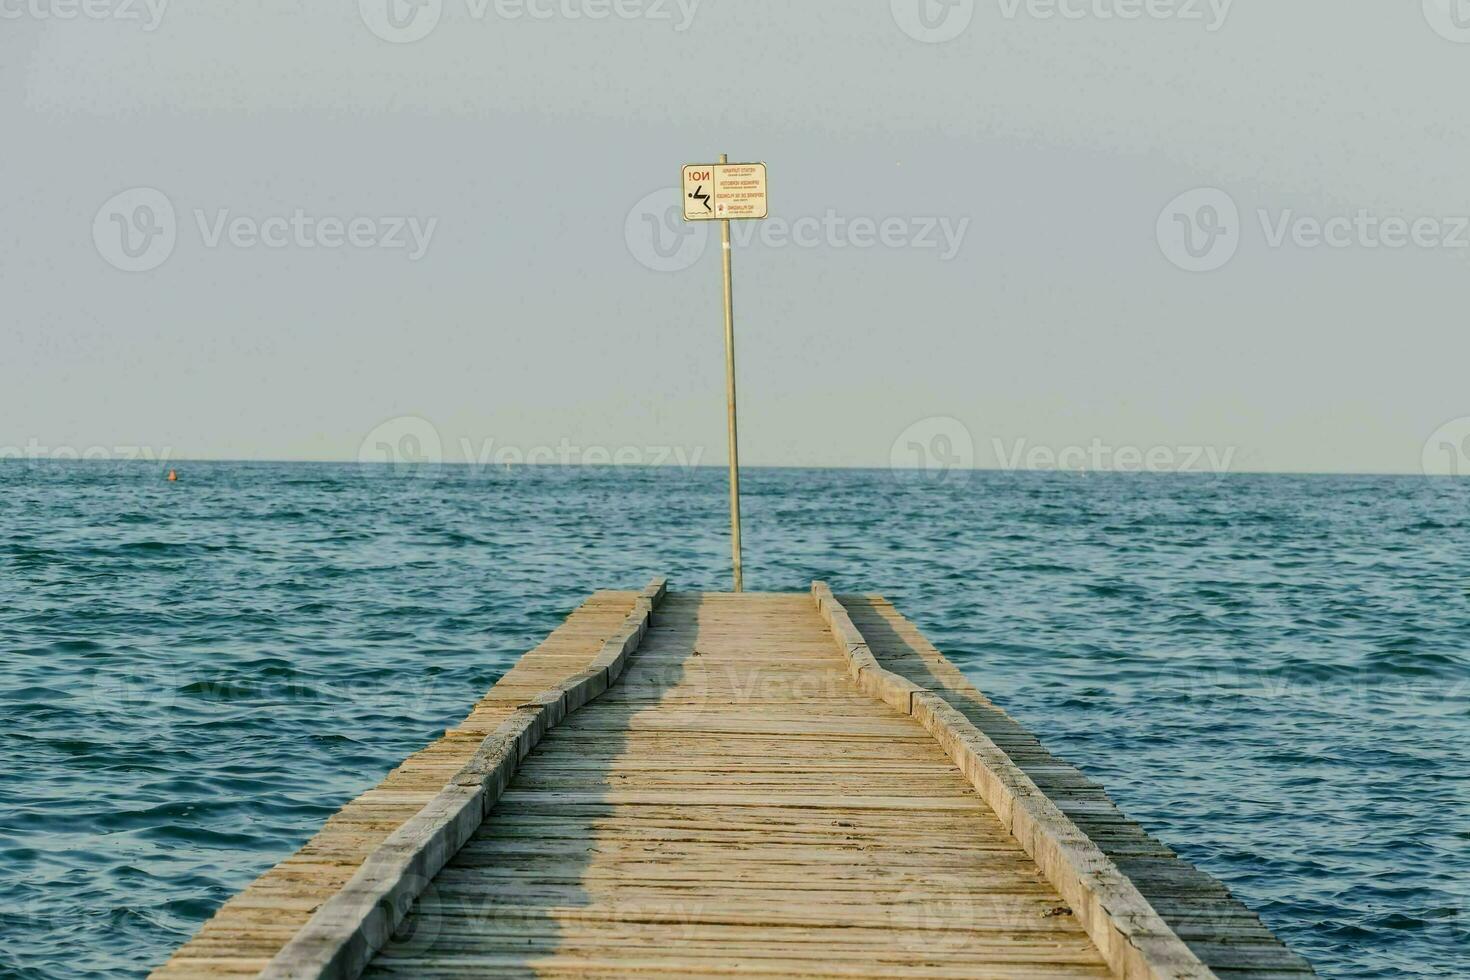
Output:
x,y
715,191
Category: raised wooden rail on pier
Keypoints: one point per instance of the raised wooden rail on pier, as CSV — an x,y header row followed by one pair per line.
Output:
x,y
781,785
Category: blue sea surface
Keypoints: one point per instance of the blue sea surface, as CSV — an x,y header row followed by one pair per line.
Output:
x,y
1272,673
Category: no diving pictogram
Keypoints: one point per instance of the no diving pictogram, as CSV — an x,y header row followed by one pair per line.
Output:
x,y
724,191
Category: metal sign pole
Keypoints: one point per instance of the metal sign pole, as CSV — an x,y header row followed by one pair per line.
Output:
x,y
724,192
730,401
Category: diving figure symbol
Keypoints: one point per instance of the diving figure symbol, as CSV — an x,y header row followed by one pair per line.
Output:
x,y
699,194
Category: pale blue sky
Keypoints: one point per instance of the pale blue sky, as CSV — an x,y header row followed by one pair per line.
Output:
x,y
525,147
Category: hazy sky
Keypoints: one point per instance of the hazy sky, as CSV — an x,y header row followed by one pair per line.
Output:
x,y
978,233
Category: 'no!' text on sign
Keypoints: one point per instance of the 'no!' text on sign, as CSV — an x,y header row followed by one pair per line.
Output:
x,y
716,191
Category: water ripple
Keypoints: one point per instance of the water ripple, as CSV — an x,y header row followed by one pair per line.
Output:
x,y
1269,672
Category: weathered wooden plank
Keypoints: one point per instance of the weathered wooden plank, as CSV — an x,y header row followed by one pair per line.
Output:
x,y
738,804
744,795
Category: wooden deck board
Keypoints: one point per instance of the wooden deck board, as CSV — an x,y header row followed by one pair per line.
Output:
x,y
734,804
737,804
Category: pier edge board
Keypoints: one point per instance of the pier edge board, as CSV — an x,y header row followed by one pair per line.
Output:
x,y
1133,939
1223,932
583,655
342,936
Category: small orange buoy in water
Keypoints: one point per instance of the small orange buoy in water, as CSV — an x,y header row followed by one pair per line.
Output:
x,y
173,476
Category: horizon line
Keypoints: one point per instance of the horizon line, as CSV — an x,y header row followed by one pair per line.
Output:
x,y
171,461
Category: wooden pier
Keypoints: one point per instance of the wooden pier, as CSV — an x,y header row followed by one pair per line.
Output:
x,y
702,784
